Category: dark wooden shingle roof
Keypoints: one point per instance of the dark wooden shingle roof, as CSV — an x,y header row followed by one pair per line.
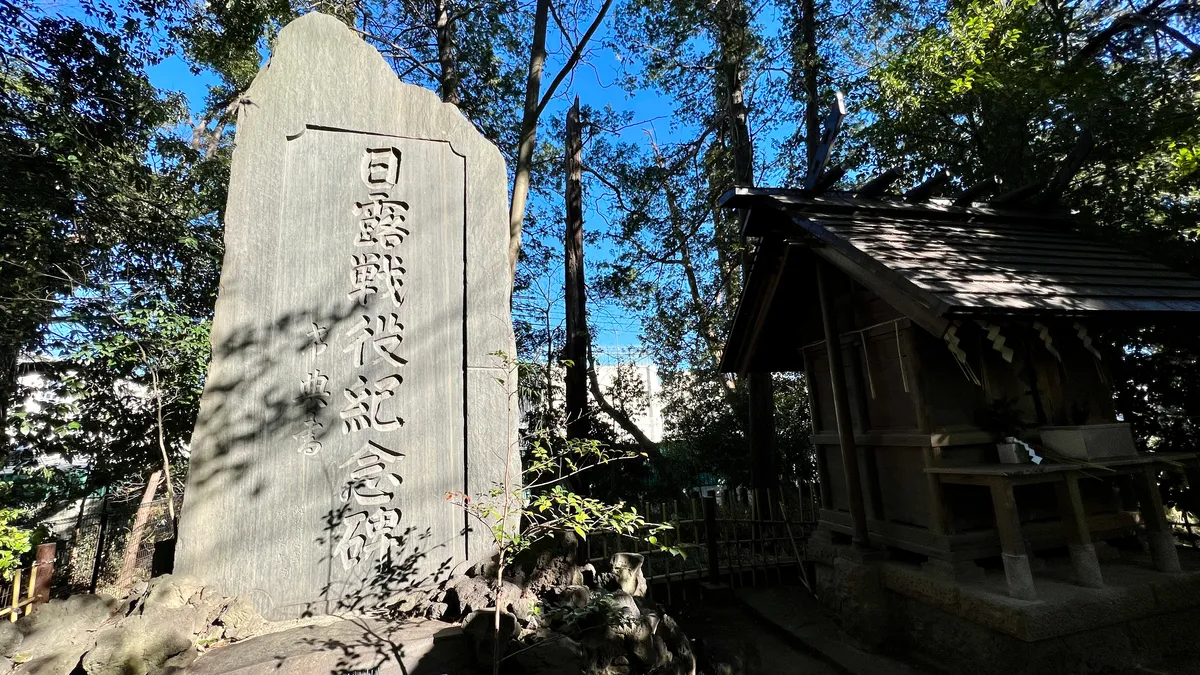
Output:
x,y
936,262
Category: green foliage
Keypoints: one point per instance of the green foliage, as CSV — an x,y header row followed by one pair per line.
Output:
x,y
14,542
110,249
522,514
602,609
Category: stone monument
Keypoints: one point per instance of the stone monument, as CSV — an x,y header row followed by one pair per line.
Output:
x,y
359,371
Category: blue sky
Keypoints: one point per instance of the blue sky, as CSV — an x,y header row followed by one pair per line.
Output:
x,y
595,81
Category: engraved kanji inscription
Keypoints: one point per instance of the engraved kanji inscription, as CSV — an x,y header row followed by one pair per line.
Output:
x,y
373,271
313,394
381,221
363,411
381,167
316,338
309,445
366,536
369,473
381,335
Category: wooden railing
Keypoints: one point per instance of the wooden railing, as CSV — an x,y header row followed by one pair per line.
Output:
x,y
754,537
28,587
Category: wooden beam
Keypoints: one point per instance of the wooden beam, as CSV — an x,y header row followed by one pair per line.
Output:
x,y
1021,194
829,132
974,192
1012,545
879,184
1070,166
767,297
841,407
827,179
1158,531
923,308
1079,538
925,190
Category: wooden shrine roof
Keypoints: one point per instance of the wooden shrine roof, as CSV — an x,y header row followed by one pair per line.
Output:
x,y
935,261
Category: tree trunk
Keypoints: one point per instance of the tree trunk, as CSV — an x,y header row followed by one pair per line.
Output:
x,y
134,543
529,120
615,414
578,425
812,111
447,53
8,391
734,39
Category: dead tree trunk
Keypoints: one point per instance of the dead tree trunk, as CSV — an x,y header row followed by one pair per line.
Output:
x,y
576,293
134,543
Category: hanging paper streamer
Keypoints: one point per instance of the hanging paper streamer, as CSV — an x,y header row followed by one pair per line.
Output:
x,y
952,340
1044,334
997,340
1033,456
1081,332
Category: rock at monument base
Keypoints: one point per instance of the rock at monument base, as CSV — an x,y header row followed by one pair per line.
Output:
x,y
479,627
416,647
155,630
628,568
552,654
60,632
358,374
10,638
138,646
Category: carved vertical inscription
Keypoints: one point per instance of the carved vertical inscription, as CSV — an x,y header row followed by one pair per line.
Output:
x,y
371,484
358,391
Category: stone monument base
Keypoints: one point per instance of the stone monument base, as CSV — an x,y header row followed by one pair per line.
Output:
x,y
966,622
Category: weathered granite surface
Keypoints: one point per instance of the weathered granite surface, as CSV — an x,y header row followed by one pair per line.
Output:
x,y
364,297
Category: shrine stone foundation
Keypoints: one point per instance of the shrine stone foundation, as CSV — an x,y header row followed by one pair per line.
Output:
x,y
359,371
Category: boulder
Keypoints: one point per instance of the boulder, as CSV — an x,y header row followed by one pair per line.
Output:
x,y
10,638
628,570
550,563
360,645
551,654
137,646
60,632
576,597
479,627
464,595
239,619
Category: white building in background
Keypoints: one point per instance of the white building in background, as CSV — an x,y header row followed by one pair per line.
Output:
x,y
616,381
649,418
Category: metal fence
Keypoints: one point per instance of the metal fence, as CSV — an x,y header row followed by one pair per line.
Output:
x,y
737,537
92,547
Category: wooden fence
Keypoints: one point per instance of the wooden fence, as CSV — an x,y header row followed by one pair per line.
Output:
x,y
28,587
737,537
1186,527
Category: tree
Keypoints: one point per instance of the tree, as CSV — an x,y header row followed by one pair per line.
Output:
x,y
107,218
680,260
